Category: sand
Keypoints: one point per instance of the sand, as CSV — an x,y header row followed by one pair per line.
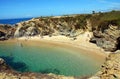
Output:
x,y
80,44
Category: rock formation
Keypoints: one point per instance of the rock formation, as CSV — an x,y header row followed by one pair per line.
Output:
x,y
108,38
106,34
111,68
6,31
68,26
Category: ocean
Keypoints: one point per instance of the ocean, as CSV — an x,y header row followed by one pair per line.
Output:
x,y
13,21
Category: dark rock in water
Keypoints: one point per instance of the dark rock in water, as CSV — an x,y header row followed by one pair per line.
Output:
x,y
107,39
7,73
3,65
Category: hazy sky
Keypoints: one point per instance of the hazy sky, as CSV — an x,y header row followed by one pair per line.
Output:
x,y
33,8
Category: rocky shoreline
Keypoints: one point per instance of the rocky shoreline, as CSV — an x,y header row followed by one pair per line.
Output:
x,y
109,70
6,72
111,67
6,31
106,34
109,39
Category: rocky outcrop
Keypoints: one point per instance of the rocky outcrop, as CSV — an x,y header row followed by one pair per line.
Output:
x,y
6,31
26,29
111,68
3,65
108,38
68,26
4,75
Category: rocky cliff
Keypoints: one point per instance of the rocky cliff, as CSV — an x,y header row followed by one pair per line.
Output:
x,y
65,25
106,34
105,28
108,39
6,31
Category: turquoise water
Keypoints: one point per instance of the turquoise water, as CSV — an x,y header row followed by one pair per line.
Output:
x,y
47,59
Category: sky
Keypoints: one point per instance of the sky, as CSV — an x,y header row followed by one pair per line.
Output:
x,y
36,8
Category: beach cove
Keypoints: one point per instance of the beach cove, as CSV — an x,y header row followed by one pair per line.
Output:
x,y
61,56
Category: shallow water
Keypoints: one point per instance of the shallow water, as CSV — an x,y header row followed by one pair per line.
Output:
x,y
47,59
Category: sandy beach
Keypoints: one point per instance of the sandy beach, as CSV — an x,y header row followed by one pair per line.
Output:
x,y
80,44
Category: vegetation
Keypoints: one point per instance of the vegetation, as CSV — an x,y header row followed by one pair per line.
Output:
x,y
73,25
102,20
99,21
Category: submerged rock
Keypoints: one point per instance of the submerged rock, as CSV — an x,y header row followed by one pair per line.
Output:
x,y
8,73
3,65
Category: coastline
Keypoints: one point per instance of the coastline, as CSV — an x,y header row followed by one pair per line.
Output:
x,y
81,44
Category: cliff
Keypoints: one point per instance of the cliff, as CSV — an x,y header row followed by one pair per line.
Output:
x,y
109,39
6,31
106,34
104,26
70,26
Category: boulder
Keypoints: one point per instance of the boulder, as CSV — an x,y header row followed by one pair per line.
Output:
x,y
32,31
26,30
3,65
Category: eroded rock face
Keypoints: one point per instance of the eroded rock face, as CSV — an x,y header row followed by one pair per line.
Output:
x,y
6,31
68,26
107,39
3,65
111,68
